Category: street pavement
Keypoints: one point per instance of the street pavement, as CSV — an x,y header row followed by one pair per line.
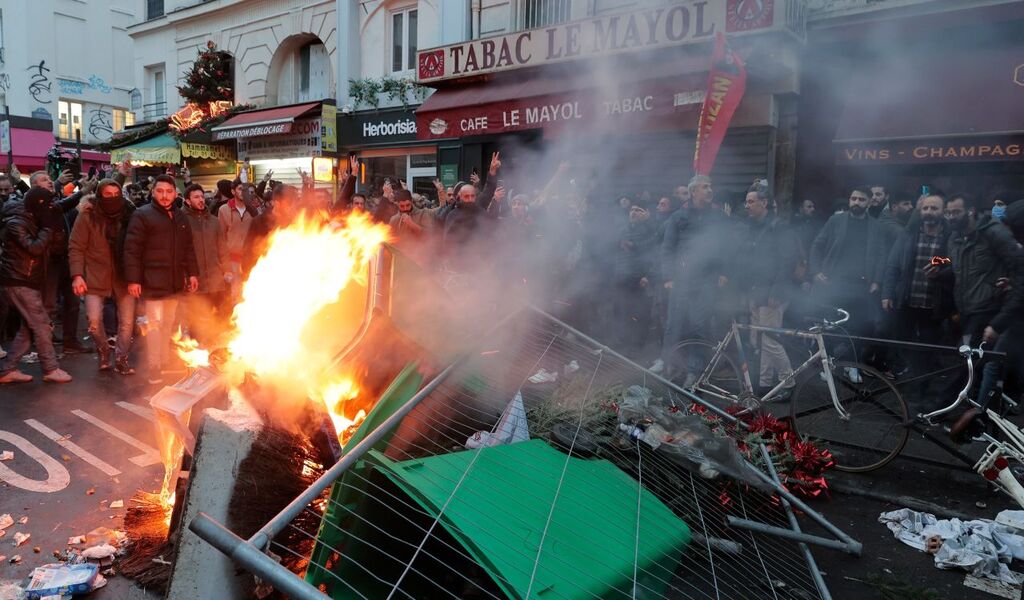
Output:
x,y
96,434
77,447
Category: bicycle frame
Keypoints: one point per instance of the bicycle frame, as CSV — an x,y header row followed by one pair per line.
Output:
x,y
820,357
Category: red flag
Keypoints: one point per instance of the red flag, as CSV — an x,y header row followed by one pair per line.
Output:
x,y
727,81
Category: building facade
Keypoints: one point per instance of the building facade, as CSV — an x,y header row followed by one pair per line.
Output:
x,y
65,67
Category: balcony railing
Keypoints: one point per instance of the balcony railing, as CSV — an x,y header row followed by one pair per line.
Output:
x,y
542,13
156,110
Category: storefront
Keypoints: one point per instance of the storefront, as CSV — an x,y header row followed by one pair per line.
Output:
x,y
385,142
285,139
30,141
207,162
936,101
617,96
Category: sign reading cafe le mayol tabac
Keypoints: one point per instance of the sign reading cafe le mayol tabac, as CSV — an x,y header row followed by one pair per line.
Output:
x,y
686,22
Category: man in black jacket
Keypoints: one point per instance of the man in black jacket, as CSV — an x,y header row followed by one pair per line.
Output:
x,y
28,228
160,264
767,262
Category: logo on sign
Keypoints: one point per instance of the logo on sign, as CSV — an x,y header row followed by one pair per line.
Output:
x,y
438,126
744,15
432,64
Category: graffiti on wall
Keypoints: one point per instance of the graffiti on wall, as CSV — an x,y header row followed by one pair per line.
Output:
x,y
39,86
100,125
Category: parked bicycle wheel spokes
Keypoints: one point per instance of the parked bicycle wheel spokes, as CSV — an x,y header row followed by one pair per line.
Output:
x,y
694,358
876,428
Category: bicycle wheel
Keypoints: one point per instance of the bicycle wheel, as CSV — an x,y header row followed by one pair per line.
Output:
x,y
876,430
724,381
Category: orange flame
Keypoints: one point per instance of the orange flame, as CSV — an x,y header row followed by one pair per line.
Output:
x,y
340,398
188,349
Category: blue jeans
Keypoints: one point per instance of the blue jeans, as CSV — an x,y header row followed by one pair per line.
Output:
x,y
125,320
35,327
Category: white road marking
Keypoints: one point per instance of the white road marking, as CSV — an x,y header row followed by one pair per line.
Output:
x,y
143,411
57,476
73,448
150,454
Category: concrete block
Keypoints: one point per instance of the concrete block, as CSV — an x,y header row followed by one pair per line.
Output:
x,y
201,571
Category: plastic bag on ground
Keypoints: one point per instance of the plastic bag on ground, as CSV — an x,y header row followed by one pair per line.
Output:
x,y
511,428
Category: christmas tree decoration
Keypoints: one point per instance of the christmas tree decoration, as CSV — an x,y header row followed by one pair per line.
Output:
x,y
209,79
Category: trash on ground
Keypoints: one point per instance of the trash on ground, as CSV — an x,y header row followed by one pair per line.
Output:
x,y
6,521
20,538
23,520
90,491
6,455
78,539
117,504
15,559
103,535
99,552
991,586
511,428
59,579
982,547
37,549
543,376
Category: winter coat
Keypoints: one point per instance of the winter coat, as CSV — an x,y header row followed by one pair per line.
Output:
x,y
768,257
694,247
465,223
25,247
158,252
235,227
90,254
899,272
210,248
1012,312
635,255
978,259
824,255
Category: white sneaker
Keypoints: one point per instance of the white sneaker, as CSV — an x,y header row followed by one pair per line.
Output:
x,y
658,367
57,376
853,374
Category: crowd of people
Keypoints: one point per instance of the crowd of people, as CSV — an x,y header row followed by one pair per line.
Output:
x,y
642,271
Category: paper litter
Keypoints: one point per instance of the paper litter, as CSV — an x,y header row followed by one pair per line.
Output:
x,y
20,538
78,539
6,521
6,455
59,579
544,376
99,552
511,428
117,504
982,547
23,520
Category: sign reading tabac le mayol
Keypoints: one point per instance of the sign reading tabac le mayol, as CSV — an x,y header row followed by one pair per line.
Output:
x,y
685,22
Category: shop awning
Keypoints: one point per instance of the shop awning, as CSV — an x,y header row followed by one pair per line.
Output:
x,y
162,149
99,158
30,147
557,101
268,121
936,107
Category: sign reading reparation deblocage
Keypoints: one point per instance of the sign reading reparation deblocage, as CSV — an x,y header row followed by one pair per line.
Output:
x,y
686,22
304,139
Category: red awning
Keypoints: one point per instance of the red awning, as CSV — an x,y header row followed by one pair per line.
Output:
x,y
269,121
30,147
558,101
961,93
91,157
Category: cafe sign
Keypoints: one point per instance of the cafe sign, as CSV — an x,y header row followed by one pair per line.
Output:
x,y
687,22
931,151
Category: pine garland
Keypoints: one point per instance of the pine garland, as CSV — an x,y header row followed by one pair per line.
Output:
x,y
209,79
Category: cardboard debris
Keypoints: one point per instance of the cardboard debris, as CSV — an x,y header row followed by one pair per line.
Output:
x,y
117,504
6,455
20,538
6,521
2,533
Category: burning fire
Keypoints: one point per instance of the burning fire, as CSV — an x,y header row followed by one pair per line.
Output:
x,y
189,351
305,268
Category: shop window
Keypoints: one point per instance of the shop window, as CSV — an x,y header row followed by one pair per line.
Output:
x,y
403,40
122,119
541,13
70,119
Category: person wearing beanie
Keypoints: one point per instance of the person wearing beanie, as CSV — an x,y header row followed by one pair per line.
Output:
x,y
28,229
97,273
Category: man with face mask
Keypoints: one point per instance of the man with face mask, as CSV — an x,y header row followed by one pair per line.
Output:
x,y
981,251
846,263
28,229
97,271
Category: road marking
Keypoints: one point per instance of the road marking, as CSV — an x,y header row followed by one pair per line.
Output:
x,y
73,448
150,454
57,476
142,411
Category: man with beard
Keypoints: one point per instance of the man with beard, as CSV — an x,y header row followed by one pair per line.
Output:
x,y
413,227
206,306
7,188
878,201
28,227
847,260
897,212
159,265
914,286
97,270
981,251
